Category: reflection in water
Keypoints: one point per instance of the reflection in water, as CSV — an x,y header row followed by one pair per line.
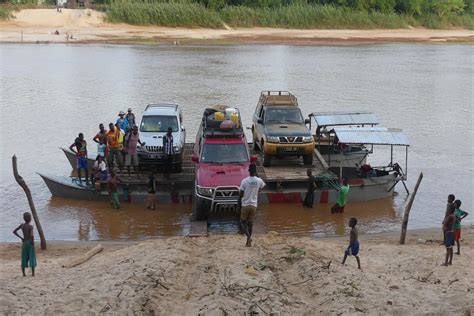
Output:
x,y
413,87
101,221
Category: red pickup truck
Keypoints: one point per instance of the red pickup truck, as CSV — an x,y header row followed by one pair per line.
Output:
x,y
221,158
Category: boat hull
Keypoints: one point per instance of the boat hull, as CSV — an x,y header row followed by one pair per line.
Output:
x,y
361,190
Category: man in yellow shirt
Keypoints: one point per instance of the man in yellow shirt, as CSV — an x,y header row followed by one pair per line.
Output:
x,y
113,147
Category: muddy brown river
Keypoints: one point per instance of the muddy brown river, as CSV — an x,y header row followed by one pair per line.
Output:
x,y
49,93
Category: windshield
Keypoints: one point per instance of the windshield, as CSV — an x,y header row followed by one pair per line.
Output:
x,y
284,115
158,123
224,153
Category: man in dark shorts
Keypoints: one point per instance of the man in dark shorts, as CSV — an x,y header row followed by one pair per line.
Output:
x,y
248,201
81,154
28,255
341,198
451,199
449,235
168,150
353,248
309,198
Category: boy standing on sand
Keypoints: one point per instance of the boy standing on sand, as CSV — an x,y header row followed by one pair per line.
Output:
x,y
460,215
449,235
353,249
28,255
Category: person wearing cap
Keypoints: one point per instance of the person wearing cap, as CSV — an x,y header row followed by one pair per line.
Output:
x,y
130,117
248,201
122,122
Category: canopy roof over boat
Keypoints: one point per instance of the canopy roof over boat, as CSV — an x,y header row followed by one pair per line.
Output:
x,y
371,136
344,118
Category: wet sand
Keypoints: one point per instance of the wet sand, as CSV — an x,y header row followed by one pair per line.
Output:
x,y
217,275
88,26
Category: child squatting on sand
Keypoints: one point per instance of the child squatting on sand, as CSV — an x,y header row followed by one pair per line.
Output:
x,y
28,255
353,249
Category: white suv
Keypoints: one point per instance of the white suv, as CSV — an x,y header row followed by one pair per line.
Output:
x,y
154,124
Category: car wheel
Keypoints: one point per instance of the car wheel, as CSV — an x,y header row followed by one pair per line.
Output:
x,y
267,160
179,168
308,159
201,211
255,141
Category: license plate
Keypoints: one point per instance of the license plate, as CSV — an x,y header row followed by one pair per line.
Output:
x,y
290,148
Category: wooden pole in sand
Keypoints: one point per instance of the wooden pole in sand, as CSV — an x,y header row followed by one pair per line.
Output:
x,y
22,183
407,210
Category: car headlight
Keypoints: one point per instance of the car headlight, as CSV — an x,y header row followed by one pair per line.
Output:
x,y
307,139
204,191
176,149
273,139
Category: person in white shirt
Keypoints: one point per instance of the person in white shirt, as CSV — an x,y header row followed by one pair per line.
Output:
x,y
248,201
99,171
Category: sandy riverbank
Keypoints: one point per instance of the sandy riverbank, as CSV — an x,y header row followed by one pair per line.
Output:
x,y
217,275
88,26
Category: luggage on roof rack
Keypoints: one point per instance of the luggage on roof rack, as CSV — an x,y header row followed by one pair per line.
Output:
x,y
282,98
222,121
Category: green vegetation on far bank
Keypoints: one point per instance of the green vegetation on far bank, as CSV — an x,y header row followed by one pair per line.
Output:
x,y
302,14
5,13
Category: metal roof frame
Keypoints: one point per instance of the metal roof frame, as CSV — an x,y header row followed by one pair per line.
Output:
x,y
372,136
323,119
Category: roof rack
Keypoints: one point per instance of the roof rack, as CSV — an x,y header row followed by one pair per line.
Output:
x,y
212,128
276,98
161,105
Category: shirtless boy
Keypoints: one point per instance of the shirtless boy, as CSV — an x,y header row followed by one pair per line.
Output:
x,y
28,256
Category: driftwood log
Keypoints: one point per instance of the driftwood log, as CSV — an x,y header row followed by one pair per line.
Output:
x,y
407,210
25,188
83,258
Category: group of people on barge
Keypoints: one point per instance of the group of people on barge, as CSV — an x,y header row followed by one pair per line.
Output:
x,y
116,147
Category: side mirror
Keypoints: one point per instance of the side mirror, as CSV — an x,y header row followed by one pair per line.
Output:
x,y
253,158
260,121
182,128
307,121
195,158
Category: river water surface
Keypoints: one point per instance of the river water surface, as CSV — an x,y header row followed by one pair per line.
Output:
x,y
49,93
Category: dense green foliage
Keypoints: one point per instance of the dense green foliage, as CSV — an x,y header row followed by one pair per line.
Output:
x,y
166,14
4,14
352,14
329,14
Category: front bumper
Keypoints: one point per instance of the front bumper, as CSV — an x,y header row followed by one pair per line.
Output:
x,y
145,158
220,198
278,149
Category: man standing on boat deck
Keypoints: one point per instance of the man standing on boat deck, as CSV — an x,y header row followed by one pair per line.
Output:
x,y
341,198
100,135
122,122
81,155
130,144
168,150
130,117
113,136
248,198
